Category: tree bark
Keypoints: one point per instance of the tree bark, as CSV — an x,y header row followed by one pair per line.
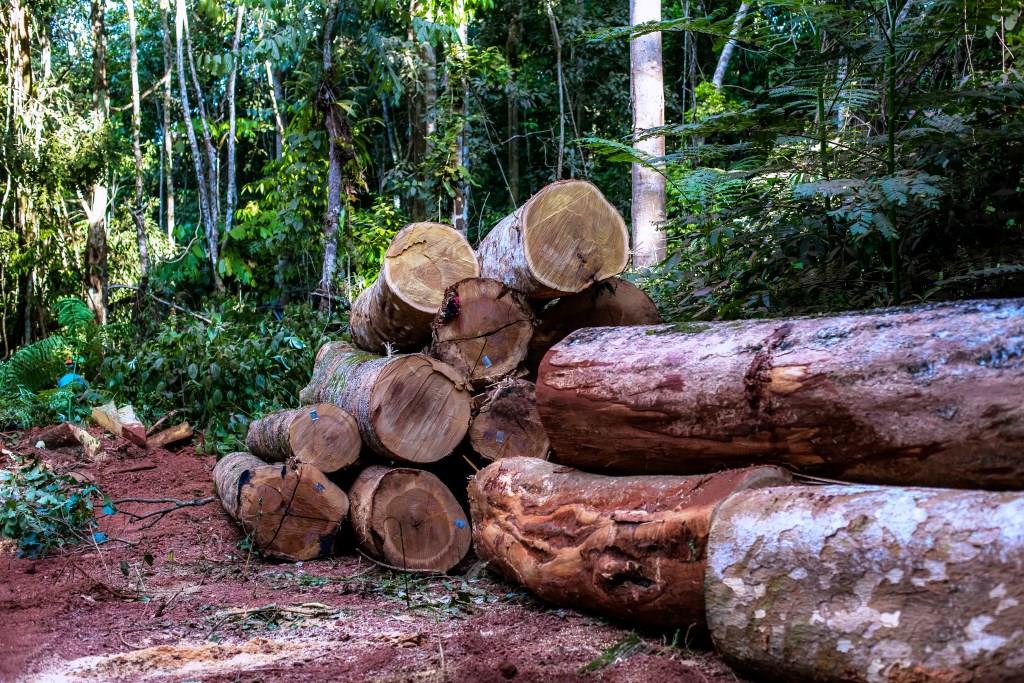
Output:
x,y
336,148
423,260
408,519
556,39
460,202
648,96
139,208
864,583
631,548
21,88
96,209
483,329
232,191
507,424
730,45
412,408
168,142
926,395
512,43
610,303
562,240
292,513
322,435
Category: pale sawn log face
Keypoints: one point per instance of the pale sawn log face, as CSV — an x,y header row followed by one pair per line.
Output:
x,y
868,583
927,395
322,435
632,548
560,241
422,261
508,424
483,329
408,519
610,303
410,408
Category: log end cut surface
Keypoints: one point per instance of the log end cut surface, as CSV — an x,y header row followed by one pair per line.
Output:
x,y
325,436
409,519
420,408
423,260
573,236
508,424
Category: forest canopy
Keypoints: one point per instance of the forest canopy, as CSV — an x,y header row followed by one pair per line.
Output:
x,y
216,180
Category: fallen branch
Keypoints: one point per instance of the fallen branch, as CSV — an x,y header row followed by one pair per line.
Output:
x,y
159,514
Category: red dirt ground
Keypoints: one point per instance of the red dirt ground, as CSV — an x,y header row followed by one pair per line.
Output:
x,y
75,617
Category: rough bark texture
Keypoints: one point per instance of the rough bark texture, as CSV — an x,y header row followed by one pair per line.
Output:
x,y
508,424
612,303
409,408
423,260
322,435
483,329
632,548
926,395
292,513
563,239
408,519
862,583
647,92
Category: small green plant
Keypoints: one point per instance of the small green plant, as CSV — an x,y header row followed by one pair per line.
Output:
x,y
630,645
42,510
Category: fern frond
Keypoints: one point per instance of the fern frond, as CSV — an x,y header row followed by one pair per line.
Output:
x,y
35,366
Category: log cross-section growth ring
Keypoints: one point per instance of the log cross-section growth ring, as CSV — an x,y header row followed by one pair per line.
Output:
x,y
422,261
869,583
408,519
631,548
483,329
562,240
930,395
292,513
411,408
507,423
322,435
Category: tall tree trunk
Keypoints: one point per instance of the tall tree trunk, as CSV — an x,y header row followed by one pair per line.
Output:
x,y
167,140
232,198
20,91
648,112
276,97
512,95
730,45
460,203
139,208
561,86
96,210
334,123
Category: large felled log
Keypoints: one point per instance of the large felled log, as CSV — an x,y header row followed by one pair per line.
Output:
x,y
397,309
632,548
322,435
483,329
930,395
408,519
611,303
292,513
866,583
562,240
410,408
507,423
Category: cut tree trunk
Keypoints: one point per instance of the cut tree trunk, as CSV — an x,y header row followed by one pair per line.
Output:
x,y
612,303
121,422
508,425
632,548
293,513
408,519
928,395
424,259
171,435
410,408
67,434
562,240
865,583
483,329
322,435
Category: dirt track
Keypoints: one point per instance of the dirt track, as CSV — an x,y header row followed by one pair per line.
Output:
x,y
207,610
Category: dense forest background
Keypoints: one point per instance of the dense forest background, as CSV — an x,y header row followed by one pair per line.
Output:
x,y
192,191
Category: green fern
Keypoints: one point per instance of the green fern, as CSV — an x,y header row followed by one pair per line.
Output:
x,y
72,312
35,366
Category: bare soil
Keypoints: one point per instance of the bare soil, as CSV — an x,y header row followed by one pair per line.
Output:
x,y
208,609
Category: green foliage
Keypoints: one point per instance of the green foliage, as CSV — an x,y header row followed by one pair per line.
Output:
x,y
219,376
35,366
622,649
42,510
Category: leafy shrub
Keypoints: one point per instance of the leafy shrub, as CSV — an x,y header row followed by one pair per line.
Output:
x,y
220,376
42,510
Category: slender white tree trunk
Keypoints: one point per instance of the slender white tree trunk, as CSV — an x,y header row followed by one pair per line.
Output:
x,y
96,209
648,97
561,86
139,207
167,140
460,205
730,46
333,125
232,198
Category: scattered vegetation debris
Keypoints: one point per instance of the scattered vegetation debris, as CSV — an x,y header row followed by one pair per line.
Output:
x,y
621,650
